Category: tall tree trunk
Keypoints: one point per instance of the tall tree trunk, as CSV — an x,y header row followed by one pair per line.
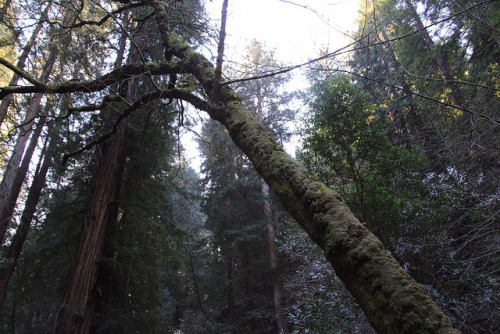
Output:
x,y
21,173
77,305
75,314
220,50
195,283
12,168
273,262
272,255
17,243
33,109
21,62
249,286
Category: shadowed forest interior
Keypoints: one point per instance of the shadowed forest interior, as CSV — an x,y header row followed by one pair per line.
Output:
x,y
386,219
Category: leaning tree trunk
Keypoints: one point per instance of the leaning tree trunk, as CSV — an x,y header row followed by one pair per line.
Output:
x,y
391,300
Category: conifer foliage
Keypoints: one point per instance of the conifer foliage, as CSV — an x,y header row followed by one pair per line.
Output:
x,y
104,228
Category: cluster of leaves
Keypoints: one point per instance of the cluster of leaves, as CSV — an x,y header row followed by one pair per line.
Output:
x,y
404,141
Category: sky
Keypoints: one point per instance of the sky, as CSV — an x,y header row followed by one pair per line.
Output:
x,y
296,30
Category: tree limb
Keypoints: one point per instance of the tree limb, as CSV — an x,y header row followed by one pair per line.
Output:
x,y
20,72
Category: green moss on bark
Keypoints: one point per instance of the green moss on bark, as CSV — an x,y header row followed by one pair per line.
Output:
x,y
391,300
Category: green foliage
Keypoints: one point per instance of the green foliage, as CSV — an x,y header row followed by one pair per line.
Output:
x,y
345,145
233,206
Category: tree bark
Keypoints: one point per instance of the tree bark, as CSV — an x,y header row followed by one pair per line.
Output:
x,y
75,313
17,243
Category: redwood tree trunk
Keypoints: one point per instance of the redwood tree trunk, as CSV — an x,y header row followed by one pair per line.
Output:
x,y
75,314
17,243
77,305
33,110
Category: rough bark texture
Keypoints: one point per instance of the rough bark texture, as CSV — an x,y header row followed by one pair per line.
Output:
x,y
75,314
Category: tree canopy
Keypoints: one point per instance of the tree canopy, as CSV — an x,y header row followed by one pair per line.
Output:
x,y
104,227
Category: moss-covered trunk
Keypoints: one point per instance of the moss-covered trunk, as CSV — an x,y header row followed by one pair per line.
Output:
x,y
391,300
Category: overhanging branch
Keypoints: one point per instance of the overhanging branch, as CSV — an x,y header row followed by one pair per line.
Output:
x,y
145,99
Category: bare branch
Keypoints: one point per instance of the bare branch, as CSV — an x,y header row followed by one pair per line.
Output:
x,y
100,83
